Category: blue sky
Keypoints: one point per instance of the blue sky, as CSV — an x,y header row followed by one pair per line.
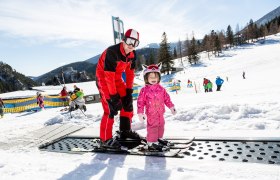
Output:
x,y
37,36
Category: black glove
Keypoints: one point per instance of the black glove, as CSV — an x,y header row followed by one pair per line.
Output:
x,y
127,101
115,104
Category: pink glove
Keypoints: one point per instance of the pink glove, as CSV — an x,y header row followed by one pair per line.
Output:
x,y
142,117
173,110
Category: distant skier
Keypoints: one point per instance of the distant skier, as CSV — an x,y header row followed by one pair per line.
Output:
x,y
64,96
2,105
77,101
243,75
209,86
153,98
219,82
76,89
176,83
40,100
189,84
205,84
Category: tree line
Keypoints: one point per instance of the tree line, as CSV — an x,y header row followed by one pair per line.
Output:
x,y
213,44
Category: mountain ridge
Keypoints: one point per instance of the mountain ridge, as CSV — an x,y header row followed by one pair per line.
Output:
x,y
269,16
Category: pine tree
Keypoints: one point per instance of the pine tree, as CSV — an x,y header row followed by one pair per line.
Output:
x,y
151,58
138,64
273,28
222,38
175,53
199,46
246,34
179,47
143,60
256,31
212,41
186,45
206,44
218,47
252,30
237,29
237,37
193,56
261,31
164,55
229,36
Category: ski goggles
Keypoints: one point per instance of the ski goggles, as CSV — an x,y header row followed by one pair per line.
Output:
x,y
131,41
153,67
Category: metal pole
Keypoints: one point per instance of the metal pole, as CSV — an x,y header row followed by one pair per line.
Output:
x,y
113,24
119,29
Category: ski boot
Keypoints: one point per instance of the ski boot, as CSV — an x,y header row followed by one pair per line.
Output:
x,y
155,146
164,142
112,143
129,138
129,134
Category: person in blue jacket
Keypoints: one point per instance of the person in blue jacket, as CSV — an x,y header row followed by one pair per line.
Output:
x,y
219,82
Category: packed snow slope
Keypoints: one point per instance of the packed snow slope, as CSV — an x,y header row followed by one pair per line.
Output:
x,y
244,108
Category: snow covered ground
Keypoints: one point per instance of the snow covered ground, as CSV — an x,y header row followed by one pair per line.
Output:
x,y
244,108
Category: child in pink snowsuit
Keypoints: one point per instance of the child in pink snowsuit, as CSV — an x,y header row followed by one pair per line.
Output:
x,y
153,97
40,101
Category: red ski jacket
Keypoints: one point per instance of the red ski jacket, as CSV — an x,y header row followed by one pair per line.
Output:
x,y
111,64
63,92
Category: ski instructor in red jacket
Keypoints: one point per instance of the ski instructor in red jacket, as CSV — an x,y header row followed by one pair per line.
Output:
x,y
116,95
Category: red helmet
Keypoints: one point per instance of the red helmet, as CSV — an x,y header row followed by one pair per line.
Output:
x,y
131,37
132,33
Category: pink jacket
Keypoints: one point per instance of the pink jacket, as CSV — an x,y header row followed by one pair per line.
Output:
x,y
40,101
153,97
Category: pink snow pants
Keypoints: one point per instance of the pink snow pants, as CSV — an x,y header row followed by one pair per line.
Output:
x,y
155,127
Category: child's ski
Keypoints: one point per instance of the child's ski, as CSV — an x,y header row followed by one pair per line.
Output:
x,y
135,151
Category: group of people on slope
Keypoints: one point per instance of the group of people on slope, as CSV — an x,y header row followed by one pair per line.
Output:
x,y
116,95
76,99
208,85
